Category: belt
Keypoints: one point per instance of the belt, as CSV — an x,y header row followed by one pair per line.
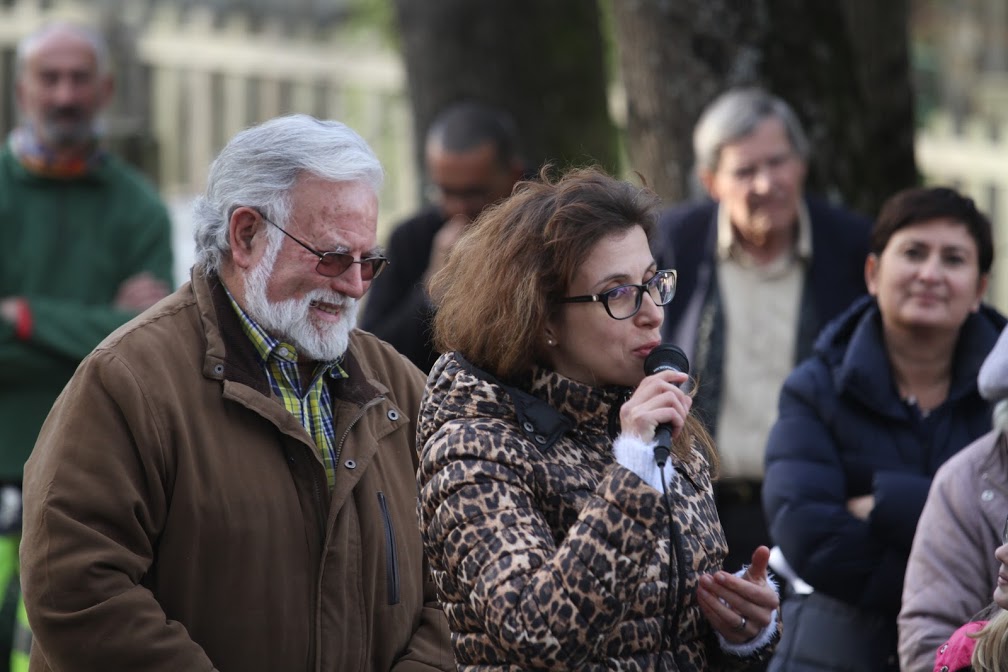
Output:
x,y
738,493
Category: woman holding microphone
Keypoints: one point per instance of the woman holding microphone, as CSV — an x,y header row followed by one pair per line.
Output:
x,y
555,540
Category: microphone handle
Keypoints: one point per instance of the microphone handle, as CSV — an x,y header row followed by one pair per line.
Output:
x,y
663,436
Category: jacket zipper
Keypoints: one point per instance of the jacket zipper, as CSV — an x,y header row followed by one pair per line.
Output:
x,y
391,557
673,611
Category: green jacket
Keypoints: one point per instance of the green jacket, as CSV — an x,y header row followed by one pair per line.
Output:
x,y
68,245
178,514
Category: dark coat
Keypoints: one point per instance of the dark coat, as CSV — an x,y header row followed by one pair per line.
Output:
x,y
397,309
687,241
843,431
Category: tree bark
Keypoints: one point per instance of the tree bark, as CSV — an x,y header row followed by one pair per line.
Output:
x,y
843,67
541,61
675,56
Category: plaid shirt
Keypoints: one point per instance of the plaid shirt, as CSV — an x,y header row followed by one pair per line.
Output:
x,y
311,403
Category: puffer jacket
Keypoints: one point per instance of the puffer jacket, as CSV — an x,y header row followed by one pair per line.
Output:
x,y
546,553
843,431
952,569
177,516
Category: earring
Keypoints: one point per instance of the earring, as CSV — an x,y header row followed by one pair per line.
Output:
x,y
550,342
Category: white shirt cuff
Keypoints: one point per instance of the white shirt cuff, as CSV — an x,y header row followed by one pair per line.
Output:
x,y
633,453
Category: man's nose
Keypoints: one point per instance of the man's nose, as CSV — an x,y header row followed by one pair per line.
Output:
x,y
350,282
763,180
65,91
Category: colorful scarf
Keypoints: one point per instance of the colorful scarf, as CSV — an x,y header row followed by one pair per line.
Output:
x,y
40,160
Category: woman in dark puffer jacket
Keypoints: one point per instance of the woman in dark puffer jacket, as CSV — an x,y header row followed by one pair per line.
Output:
x,y
864,424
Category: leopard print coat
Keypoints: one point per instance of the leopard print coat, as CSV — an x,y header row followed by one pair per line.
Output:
x,y
546,553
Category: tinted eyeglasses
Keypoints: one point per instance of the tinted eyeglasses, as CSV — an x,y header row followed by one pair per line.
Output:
x,y
332,264
624,301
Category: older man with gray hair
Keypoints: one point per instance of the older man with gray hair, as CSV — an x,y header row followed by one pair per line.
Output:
x,y
227,483
762,268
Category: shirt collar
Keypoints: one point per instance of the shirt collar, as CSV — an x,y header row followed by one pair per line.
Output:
x,y
267,346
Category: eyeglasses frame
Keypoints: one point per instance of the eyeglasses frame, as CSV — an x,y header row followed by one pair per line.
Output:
x,y
642,289
376,271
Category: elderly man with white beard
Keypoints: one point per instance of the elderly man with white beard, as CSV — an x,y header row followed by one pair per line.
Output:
x,y
227,482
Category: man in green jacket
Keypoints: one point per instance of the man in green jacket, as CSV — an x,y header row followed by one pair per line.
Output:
x,y
228,481
87,245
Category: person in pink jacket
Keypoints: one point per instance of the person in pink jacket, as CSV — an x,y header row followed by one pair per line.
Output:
x,y
982,644
952,561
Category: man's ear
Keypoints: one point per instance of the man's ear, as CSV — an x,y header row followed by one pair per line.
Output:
x,y
706,178
246,237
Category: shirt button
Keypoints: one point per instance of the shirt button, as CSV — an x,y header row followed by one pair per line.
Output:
x,y
987,495
350,464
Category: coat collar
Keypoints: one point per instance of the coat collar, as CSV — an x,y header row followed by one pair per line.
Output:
x,y
854,347
231,356
547,404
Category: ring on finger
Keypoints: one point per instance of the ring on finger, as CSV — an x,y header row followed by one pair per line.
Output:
x,y
742,623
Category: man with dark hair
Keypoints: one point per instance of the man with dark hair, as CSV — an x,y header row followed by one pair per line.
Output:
x,y
472,160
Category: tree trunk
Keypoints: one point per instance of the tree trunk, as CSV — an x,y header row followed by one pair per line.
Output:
x,y
674,58
880,39
843,67
541,61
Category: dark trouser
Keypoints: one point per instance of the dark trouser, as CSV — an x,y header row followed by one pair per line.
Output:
x,y
741,511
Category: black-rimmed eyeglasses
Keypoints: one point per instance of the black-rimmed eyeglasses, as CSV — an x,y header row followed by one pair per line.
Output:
x,y
333,264
624,301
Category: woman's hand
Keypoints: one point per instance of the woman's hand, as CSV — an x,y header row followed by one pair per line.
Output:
x,y
739,607
861,507
657,400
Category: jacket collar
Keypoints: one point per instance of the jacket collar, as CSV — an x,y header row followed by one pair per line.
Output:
x,y
853,346
547,404
231,356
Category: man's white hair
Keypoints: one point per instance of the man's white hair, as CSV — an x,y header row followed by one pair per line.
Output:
x,y
260,166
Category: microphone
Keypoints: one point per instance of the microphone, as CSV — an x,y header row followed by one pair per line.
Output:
x,y
666,357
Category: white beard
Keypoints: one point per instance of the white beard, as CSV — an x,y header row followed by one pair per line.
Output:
x,y
291,320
